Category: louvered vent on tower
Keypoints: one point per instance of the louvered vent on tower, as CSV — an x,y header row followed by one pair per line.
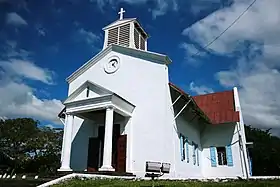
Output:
x,y
142,43
136,39
124,35
113,36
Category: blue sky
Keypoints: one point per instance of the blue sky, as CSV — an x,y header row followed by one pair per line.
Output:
x,y
43,42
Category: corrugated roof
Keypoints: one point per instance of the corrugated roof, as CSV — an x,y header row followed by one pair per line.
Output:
x,y
219,106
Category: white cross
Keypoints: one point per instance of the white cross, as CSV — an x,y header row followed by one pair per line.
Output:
x,y
121,13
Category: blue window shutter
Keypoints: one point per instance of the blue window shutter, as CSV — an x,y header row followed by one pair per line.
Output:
x,y
187,150
194,156
213,157
251,168
197,151
229,155
181,146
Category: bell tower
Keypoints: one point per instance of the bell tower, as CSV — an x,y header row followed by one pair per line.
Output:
x,y
126,32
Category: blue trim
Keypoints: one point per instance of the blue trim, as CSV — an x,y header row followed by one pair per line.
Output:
x,y
181,147
250,164
229,156
213,156
194,155
197,152
187,150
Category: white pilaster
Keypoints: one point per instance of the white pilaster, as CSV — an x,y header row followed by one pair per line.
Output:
x,y
108,140
67,139
242,128
131,35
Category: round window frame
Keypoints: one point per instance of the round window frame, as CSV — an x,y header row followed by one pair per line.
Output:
x,y
108,61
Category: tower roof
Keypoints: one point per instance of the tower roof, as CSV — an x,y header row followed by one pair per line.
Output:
x,y
127,32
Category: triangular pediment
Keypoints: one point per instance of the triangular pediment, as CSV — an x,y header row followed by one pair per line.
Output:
x,y
86,91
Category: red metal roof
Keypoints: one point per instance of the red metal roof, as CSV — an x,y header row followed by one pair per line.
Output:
x,y
219,106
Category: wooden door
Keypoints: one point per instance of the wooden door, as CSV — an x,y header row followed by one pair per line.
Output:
x,y
121,156
93,154
116,134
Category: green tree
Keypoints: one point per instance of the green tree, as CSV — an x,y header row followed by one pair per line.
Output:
x,y
34,149
265,152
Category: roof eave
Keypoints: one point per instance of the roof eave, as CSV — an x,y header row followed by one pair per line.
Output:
x,y
97,56
112,24
197,109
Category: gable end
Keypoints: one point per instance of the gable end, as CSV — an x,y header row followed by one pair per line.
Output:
x,y
145,55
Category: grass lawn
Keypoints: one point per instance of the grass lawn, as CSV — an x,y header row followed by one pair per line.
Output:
x,y
21,182
130,183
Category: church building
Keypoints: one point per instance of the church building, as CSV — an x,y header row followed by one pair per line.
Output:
x,y
122,112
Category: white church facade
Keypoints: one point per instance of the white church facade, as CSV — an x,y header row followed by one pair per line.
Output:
x,y
122,111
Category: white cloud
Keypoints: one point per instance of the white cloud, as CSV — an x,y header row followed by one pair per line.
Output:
x,y
200,90
161,6
27,70
192,54
260,23
89,36
254,42
200,5
13,18
20,101
18,98
41,30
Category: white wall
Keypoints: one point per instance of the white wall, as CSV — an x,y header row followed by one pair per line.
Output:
x,y
221,135
145,85
82,131
191,131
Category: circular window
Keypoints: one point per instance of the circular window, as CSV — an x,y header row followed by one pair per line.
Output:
x,y
112,65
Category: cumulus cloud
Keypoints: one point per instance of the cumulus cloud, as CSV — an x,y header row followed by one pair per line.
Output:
x,y
13,18
160,8
200,90
90,37
254,42
18,98
26,69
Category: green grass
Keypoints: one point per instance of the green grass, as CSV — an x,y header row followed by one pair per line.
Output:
x,y
21,182
162,183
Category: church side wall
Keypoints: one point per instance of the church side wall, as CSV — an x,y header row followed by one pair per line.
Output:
x,y
145,85
183,168
220,136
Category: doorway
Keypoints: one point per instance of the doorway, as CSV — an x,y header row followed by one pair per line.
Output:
x,y
95,150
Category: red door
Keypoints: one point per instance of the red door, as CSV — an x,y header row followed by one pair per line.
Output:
x,y
121,156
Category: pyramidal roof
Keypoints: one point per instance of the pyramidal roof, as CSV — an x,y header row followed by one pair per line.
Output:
x,y
119,22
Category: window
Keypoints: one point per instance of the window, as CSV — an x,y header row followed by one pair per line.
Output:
x,y
222,156
87,92
195,154
182,147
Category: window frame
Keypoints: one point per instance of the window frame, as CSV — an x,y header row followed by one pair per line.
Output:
x,y
223,157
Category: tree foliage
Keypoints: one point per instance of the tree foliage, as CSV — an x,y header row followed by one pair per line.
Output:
x,y
34,149
265,152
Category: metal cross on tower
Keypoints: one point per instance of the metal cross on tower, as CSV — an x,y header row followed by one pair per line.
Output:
x,y
121,13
